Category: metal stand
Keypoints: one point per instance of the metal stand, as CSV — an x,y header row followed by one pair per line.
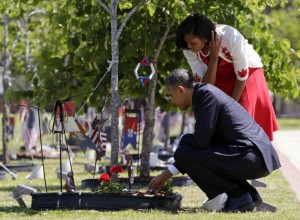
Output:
x,y
61,134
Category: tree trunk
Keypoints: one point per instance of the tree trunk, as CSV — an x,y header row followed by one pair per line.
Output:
x,y
115,34
149,126
114,85
5,125
167,130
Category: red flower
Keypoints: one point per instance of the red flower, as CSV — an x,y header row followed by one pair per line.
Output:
x,y
116,169
104,177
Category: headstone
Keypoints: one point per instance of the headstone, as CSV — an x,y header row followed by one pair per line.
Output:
x,y
153,159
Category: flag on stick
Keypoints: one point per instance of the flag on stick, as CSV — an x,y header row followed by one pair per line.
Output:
x,y
68,109
103,139
103,142
82,140
94,132
130,132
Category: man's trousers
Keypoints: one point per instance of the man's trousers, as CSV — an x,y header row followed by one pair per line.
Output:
x,y
219,167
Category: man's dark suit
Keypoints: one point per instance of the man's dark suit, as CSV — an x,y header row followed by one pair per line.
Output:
x,y
227,144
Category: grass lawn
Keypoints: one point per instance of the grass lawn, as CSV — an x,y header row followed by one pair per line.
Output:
x,y
289,123
277,192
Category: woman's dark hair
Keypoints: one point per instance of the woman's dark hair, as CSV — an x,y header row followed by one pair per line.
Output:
x,y
180,77
194,24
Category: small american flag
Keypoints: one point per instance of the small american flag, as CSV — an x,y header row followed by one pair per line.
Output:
x,y
94,132
94,137
102,147
95,123
103,139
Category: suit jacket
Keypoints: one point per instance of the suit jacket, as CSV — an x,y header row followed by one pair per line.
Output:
x,y
219,118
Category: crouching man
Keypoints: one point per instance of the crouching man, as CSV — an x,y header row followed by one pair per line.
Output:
x,y
226,149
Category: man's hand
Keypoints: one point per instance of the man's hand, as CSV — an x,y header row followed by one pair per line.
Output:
x,y
157,182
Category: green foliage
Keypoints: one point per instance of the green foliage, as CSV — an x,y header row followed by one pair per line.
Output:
x,y
281,63
167,187
70,46
125,5
256,5
151,8
110,187
286,25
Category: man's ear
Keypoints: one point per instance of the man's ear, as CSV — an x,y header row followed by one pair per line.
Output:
x,y
181,89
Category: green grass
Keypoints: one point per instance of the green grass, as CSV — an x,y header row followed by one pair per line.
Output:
x,y
289,123
277,192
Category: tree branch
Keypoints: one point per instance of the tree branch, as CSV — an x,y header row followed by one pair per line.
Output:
x,y
128,16
37,11
13,47
162,40
104,6
21,25
171,36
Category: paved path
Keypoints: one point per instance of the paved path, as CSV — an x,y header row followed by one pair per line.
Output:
x,y
287,144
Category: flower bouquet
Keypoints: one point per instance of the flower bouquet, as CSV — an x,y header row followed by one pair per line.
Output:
x,y
109,181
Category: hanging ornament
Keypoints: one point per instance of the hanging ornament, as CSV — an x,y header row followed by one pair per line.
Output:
x,y
144,79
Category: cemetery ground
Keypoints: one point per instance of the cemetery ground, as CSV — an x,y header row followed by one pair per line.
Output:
x,y
277,193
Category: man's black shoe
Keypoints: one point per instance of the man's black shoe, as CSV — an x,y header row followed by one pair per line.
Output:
x,y
240,204
256,198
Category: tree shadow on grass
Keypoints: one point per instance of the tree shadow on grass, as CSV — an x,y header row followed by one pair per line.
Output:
x,y
19,210
31,212
190,210
185,210
7,188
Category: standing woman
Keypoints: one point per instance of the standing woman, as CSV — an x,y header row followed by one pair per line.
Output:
x,y
220,55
